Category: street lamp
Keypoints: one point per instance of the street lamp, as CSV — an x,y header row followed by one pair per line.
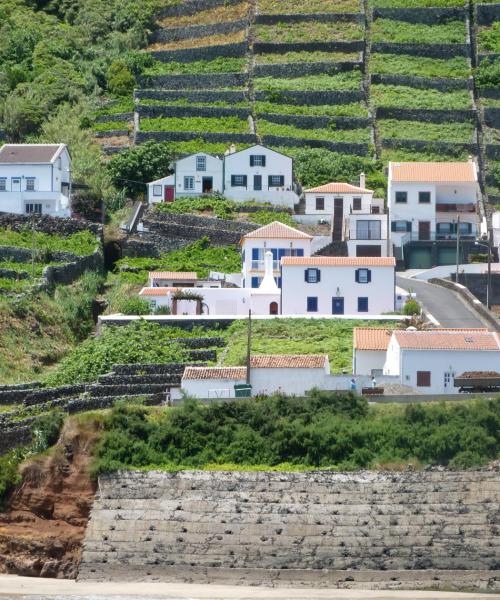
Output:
x,y
488,280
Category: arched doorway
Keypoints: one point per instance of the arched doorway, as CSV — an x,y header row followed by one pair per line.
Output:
x,y
273,308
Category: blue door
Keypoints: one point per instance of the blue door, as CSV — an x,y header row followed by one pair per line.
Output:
x,y
337,306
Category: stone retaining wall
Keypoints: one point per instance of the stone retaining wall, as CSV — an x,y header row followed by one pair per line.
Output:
x,y
310,98
63,227
123,116
313,122
203,80
281,48
190,7
174,34
66,274
288,70
186,136
111,133
321,528
493,151
422,114
207,223
427,50
486,14
191,95
435,83
45,394
427,145
201,53
427,15
269,19
492,117
342,147
150,112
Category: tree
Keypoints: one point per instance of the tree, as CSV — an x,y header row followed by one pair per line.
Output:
x,y
22,114
120,79
135,167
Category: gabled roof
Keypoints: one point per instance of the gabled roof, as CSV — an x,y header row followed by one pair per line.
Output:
x,y
252,148
157,291
289,361
30,153
433,172
448,340
277,231
177,275
339,261
338,188
162,179
230,373
198,154
371,338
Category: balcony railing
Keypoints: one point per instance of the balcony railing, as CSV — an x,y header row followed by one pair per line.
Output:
x,y
366,235
259,265
468,207
435,236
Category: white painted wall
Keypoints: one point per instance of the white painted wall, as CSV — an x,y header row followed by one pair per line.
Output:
x,y
310,199
238,163
357,233
295,290
49,180
187,167
210,388
156,189
252,268
366,361
288,381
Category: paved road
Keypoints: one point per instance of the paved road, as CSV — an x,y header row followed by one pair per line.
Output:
x,y
32,588
443,304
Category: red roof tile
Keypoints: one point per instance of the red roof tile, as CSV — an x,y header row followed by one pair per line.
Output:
x,y
289,361
448,340
230,373
277,230
339,261
157,291
338,188
371,338
433,172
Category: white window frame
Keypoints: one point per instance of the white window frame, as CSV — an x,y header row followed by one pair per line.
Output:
x,y
33,208
201,163
363,275
258,160
239,181
3,184
30,180
188,182
273,184
157,190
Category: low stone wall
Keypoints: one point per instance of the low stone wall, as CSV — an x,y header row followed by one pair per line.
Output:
x,y
313,122
204,80
111,133
63,227
423,145
411,529
422,114
150,369
281,48
45,394
492,117
477,284
342,147
434,83
186,136
493,151
268,19
16,275
66,274
426,50
13,437
190,7
288,70
192,95
487,13
427,15
207,223
201,53
310,98
150,112
123,116
174,34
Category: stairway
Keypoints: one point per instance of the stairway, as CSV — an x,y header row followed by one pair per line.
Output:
x,y
335,248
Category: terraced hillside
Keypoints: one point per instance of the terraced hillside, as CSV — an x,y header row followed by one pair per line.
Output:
x,y
384,79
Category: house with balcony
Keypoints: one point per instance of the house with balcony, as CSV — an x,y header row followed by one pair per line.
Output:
x,y
281,240
356,217
35,179
430,204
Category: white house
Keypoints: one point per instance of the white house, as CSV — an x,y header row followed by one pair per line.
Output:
x,y
269,374
261,174
35,178
184,279
278,238
369,350
198,174
161,190
428,361
426,202
327,285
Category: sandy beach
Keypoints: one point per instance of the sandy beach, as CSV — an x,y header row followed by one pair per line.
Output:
x,y
17,588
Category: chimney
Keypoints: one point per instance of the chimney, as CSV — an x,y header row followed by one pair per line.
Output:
x,y
232,149
362,180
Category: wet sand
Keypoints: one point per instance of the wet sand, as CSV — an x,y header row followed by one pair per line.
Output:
x,y
29,588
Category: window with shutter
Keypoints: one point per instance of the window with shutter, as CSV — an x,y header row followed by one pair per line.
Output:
x,y
320,204
238,180
356,204
362,304
312,304
257,160
401,197
276,181
363,275
312,275
423,379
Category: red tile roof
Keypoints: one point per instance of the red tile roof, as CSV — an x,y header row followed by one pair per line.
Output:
x,y
433,172
370,338
289,361
157,291
448,340
339,261
230,373
178,276
338,188
277,230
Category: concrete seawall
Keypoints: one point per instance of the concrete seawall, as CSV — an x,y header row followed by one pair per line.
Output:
x,y
430,529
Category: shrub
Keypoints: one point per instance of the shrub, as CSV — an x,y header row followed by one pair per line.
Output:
x,y
135,306
489,38
487,75
411,307
9,472
420,66
120,79
198,124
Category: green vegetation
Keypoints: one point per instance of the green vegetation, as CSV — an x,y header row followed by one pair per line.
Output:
x,y
81,243
360,136
139,342
199,256
422,130
112,107
354,109
488,38
264,217
221,64
402,32
199,124
326,430
112,126
416,3
401,96
348,80
305,32
487,74
286,336
35,269
201,42
303,56
313,6
217,14
14,286
404,155
419,66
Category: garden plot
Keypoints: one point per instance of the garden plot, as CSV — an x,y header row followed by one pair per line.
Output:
x,y
200,42
488,39
400,96
456,67
421,130
353,109
346,81
429,155
198,124
312,6
306,57
357,136
402,32
308,31
211,16
221,64
417,3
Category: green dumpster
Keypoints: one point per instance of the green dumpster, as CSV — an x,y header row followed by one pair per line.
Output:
x,y
242,390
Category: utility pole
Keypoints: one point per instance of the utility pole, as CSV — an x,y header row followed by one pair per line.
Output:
x,y
249,344
458,248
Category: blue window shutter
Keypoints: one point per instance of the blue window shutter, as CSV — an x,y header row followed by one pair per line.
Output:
x,y
252,160
393,225
281,253
245,180
306,275
356,273
362,304
369,275
275,253
269,181
408,226
255,253
232,180
282,180
255,282
263,160
299,252
243,256
319,275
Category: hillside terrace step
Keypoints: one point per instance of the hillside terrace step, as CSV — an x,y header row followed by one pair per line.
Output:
x,y
174,34
191,111
10,387
192,95
283,47
150,368
187,82
237,50
324,17
44,394
100,390
83,404
173,380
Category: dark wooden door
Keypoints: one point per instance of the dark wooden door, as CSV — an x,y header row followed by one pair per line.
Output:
x,y
337,306
424,230
338,218
257,182
169,193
